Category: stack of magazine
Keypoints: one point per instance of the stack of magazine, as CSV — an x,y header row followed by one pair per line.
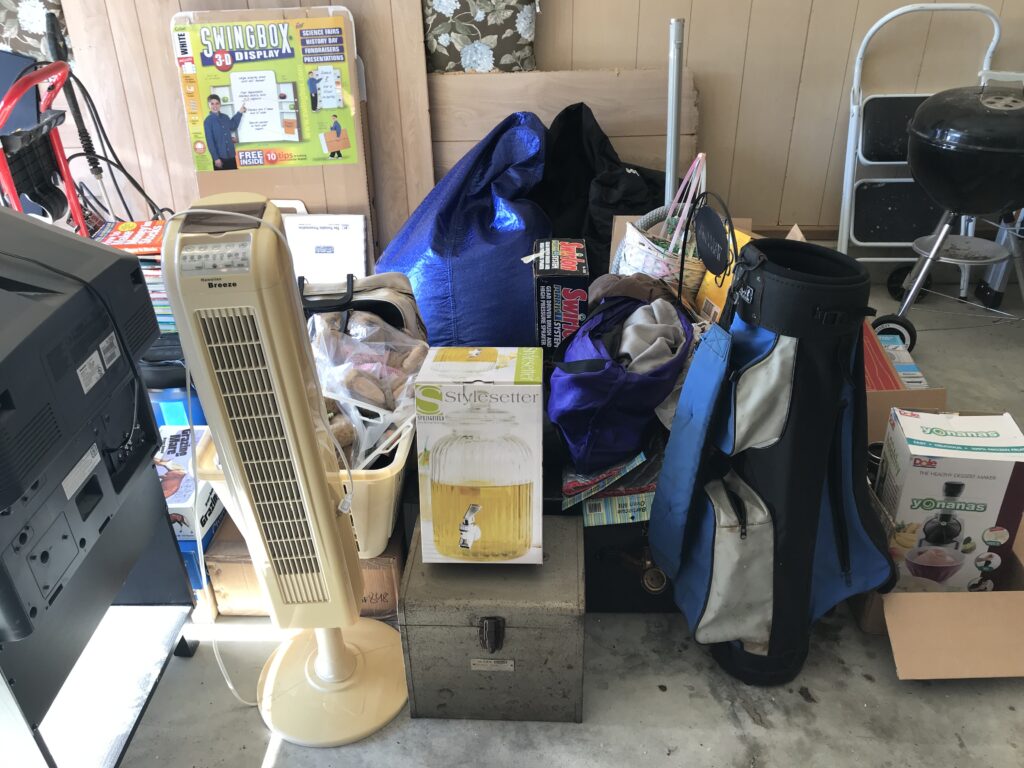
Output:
x,y
620,494
143,239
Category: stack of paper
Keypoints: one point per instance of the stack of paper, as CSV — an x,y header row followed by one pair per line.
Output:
x,y
153,273
328,247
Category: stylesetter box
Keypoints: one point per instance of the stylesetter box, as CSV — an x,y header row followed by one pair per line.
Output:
x,y
561,280
479,413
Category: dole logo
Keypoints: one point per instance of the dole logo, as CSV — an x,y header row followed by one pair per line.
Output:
x,y
925,463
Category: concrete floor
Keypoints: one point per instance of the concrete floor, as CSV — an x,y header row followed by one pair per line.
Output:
x,y
651,696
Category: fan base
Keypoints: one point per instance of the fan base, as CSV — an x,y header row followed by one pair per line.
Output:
x,y
303,709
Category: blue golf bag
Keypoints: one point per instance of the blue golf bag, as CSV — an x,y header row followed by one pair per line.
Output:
x,y
761,518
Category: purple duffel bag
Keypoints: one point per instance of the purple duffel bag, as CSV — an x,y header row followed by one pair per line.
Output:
x,y
603,408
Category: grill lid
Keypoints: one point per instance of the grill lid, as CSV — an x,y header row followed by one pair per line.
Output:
x,y
979,118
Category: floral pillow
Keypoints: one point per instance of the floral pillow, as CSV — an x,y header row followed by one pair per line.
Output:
x,y
480,35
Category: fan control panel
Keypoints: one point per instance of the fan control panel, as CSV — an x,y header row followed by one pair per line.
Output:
x,y
219,258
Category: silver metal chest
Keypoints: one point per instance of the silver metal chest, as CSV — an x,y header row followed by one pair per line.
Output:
x,y
497,642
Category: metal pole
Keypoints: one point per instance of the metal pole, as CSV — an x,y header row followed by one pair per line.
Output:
x,y
675,89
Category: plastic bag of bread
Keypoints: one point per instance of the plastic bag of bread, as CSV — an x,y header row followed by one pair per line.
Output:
x,y
367,368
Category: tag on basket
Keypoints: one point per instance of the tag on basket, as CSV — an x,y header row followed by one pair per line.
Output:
x,y
712,239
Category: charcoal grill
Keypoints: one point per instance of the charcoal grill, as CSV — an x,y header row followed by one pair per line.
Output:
x,y
966,149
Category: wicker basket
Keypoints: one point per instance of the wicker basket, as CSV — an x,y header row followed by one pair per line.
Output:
x,y
643,251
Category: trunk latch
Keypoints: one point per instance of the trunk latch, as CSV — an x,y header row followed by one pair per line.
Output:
x,y
492,633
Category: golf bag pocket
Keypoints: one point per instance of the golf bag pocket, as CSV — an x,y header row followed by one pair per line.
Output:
x,y
740,592
760,390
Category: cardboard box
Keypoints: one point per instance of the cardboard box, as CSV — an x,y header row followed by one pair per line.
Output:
x,y
174,467
945,479
332,142
238,592
190,554
886,389
619,231
953,635
561,278
478,432
903,363
714,290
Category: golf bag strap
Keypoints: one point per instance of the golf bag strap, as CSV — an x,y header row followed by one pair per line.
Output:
x,y
685,449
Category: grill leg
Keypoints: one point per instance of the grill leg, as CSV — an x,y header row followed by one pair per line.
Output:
x,y
926,264
965,279
1017,252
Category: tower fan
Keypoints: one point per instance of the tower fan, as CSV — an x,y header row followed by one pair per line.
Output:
x,y
232,288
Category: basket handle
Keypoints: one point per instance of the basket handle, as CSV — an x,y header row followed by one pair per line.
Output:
x,y
686,208
686,188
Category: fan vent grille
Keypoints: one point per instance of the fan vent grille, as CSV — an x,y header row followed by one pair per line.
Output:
x,y
233,339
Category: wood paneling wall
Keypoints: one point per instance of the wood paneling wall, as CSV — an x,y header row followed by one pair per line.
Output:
x,y
630,106
123,53
773,78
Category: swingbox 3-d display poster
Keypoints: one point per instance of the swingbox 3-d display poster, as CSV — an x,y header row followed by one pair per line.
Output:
x,y
273,93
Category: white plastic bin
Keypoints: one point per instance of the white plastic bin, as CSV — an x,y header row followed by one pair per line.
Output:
x,y
375,499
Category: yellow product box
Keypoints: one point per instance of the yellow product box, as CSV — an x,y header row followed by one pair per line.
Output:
x,y
711,296
478,433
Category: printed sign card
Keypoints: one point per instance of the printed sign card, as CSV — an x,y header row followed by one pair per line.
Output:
x,y
266,93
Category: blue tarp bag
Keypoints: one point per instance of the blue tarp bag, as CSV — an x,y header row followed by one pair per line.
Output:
x,y
761,518
462,247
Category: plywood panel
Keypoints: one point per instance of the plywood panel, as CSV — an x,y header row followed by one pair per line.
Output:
x,y
464,107
133,62
93,45
604,34
743,55
212,5
1008,54
652,34
410,56
649,151
163,78
955,49
892,65
820,98
771,78
646,151
553,44
716,55
376,47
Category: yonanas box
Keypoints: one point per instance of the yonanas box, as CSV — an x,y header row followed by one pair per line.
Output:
x,y
478,433
954,485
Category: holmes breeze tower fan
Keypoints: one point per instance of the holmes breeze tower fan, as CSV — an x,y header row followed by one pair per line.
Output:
x,y
232,288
